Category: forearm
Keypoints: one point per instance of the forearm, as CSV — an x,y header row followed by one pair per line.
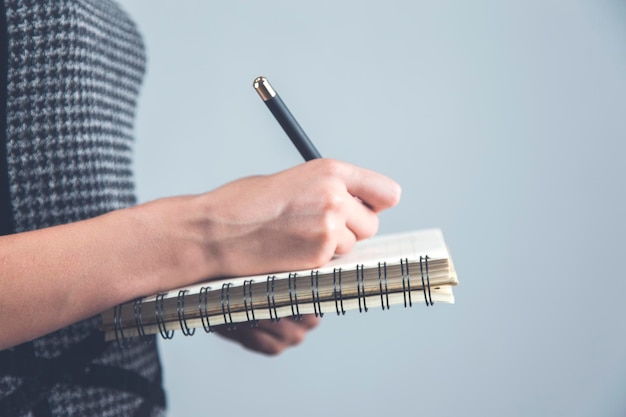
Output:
x,y
295,219
53,277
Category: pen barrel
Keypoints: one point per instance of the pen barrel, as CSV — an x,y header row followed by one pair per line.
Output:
x,y
292,128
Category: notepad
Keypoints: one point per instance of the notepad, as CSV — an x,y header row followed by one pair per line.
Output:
x,y
405,269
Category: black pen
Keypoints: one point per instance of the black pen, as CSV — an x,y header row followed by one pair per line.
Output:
x,y
285,119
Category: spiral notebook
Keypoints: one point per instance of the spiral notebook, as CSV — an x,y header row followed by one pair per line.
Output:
x,y
399,269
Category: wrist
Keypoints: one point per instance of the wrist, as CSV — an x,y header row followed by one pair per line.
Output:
x,y
171,234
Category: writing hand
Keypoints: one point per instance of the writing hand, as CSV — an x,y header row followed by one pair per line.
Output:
x,y
295,219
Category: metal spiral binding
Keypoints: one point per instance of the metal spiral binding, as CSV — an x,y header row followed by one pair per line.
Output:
x,y
360,287
117,326
138,317
160,319
271,303
203,301
295,313
405,265
315,293
428,300
247,296
248,299
380,285
226,306
335,270
180,310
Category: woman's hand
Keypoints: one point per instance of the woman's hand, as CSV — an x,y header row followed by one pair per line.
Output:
x,y
271,338
295,219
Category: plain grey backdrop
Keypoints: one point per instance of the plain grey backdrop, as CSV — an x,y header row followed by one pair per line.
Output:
x,y
505,123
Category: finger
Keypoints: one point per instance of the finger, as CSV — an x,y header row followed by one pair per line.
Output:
x,y
306,322
377,191
287,331
309,321
271,337
362,221
255,339
345,241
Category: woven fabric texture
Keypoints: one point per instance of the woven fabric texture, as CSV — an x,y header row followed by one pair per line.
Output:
x,y
74,72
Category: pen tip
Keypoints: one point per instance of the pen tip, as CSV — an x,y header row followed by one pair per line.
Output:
x,y
263,87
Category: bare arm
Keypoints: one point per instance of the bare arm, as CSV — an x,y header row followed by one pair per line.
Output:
x,y
297,218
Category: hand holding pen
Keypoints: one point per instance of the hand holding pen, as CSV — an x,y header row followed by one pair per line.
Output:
x,y
317,212
288,122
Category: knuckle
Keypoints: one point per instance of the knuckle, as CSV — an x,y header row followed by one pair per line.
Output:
x,y
332,200
330,167
372,228
343,250
323,255
346,244
329,225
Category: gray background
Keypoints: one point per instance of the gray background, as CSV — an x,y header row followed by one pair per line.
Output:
x,y
505,124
